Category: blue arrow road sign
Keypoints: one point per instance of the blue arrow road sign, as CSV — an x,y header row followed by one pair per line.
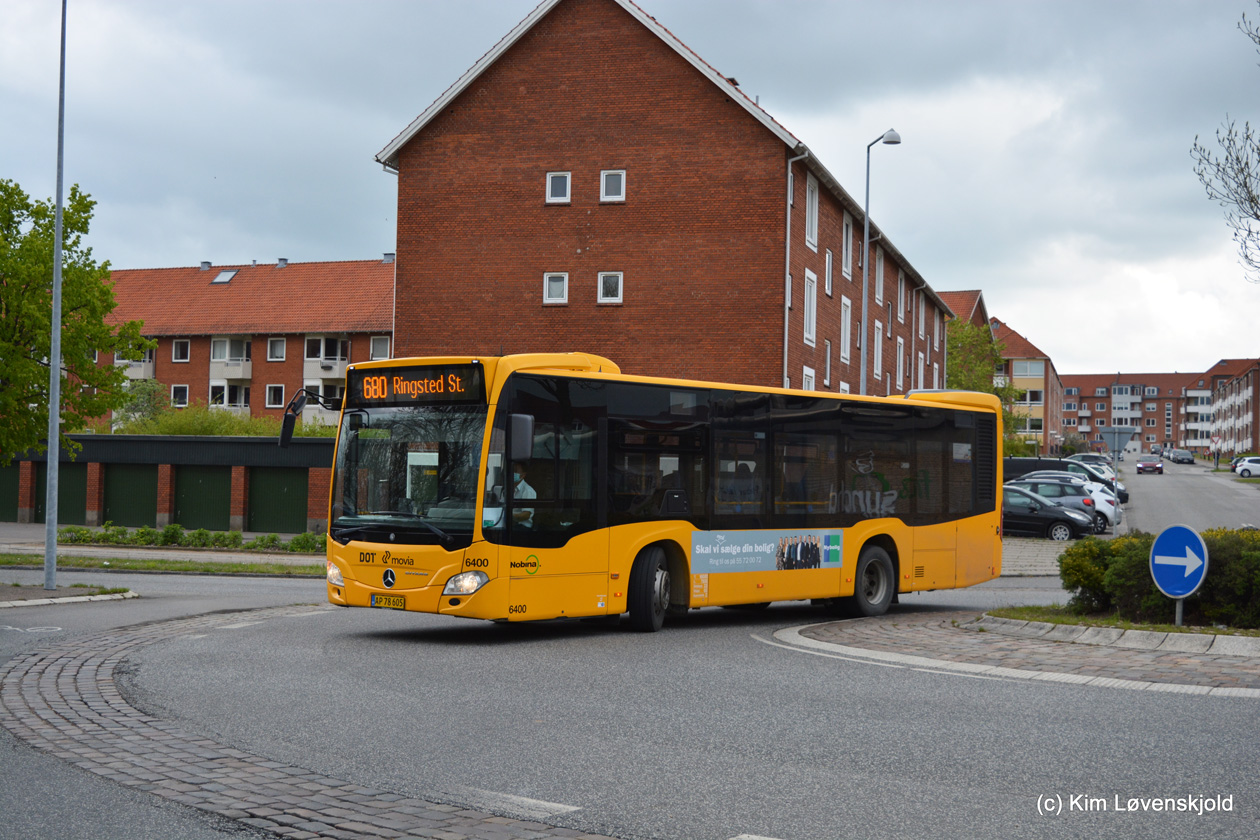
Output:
x,y
1179,560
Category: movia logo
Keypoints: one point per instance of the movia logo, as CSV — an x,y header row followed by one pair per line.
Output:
x,y
529,565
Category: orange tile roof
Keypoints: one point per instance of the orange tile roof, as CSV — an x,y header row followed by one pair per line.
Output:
x,y
352,296
1014,345
964,304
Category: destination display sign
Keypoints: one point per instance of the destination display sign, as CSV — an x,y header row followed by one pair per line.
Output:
x,y
426,385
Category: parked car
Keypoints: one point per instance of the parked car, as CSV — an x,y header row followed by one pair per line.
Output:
x,y
1104,499
1090,458
1025,513
1017,467
1069,493
1150,463
1181,456
1248,466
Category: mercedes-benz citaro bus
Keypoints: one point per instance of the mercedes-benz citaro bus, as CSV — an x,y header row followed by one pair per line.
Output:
x,y
542,486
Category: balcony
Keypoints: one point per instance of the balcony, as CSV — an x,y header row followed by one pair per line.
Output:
x,y
325,369
1084,412
241,369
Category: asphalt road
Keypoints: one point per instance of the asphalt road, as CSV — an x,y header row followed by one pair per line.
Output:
x,y
706,730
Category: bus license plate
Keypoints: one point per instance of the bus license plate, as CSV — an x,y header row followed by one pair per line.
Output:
x,y
393,602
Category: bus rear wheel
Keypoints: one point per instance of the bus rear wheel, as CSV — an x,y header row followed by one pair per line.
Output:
x,y
874,581
648,596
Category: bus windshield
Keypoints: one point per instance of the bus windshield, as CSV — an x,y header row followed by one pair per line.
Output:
x,y
408,474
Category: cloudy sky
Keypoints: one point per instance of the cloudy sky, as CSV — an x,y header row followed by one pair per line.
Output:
x,y
1045,156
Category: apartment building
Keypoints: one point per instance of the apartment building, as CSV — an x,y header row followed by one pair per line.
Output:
x,y
593,184
1029,369
1235,419
245,338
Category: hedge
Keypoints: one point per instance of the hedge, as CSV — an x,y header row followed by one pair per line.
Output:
x,y
1114,576
175,535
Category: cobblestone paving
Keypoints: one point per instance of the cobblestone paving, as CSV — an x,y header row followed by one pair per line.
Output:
x,y
63,699
945,637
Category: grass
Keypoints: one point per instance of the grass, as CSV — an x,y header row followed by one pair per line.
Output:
x,y
1062,615
162,565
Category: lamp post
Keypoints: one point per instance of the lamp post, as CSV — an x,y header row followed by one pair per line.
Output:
x,y
888,138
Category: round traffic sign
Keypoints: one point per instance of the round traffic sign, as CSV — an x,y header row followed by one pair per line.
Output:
x,y
1179,560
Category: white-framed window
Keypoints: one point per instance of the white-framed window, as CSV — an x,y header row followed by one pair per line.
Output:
x,y
1100,406
922,311
1069,406
181,350
275,396
1151,421
901,296
936,375
846,247
1152,391
879,275
878,364
844,387
327,348
827,363
218,392
179,396
379,348
827,287
229,350
1150,406
1101,421
811,307
901,363
1100,392
558,187
846,328
556,287
610,283
275,349
1150,438
1069,421
1029,367
936,329
811,212
920,368
807,378
612,185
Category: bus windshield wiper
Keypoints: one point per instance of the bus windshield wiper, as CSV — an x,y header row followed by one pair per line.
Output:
x,y
417,518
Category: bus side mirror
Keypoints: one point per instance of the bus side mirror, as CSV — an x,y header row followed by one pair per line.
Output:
x,y
289,420
521,429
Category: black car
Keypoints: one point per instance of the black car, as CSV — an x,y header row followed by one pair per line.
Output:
x,y
1069,493
1181,456
1024,513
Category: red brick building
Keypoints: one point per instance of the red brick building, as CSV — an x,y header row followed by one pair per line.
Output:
x,y
247,337
593,184
1032,371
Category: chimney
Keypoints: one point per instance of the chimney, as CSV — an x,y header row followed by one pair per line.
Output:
x,y
389,257
282,262
205,265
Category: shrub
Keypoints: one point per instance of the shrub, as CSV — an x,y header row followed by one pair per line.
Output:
x,y
173,534
112,534
270,542
200,538
75,534
144,535
1231,589
308,542
1129,583
226,539
1082,568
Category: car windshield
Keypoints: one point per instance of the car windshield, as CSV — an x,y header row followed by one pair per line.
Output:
x,y
408,474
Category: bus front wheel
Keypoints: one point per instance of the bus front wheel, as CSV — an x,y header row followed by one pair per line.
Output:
x,y
649,590
875,582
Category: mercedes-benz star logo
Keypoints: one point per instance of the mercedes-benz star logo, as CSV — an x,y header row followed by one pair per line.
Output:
x,y
388,578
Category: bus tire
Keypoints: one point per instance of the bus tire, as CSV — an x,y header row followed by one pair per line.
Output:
x,y
648,595
874,582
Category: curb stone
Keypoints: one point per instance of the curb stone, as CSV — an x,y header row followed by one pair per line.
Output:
x,y
1216,645
75,599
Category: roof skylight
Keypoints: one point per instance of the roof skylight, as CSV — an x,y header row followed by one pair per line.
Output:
x,y
225,276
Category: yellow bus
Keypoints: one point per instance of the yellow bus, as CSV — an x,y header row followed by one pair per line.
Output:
x,y
543,486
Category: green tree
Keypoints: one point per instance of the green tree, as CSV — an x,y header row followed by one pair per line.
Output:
x,y
1232,178
973,356
88,390
147,399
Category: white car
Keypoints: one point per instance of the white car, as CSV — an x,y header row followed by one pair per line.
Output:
x,y
1249,466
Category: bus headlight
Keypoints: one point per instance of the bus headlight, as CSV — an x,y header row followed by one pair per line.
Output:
x,y
466,583
334,575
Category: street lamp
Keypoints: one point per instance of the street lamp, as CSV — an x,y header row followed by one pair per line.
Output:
x,y
888,138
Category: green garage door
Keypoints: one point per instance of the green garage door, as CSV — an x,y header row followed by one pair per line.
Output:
x,y
131,494
203,497
277,500
9,477
71,493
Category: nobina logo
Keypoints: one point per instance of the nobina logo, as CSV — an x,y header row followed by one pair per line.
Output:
x,y
529,564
